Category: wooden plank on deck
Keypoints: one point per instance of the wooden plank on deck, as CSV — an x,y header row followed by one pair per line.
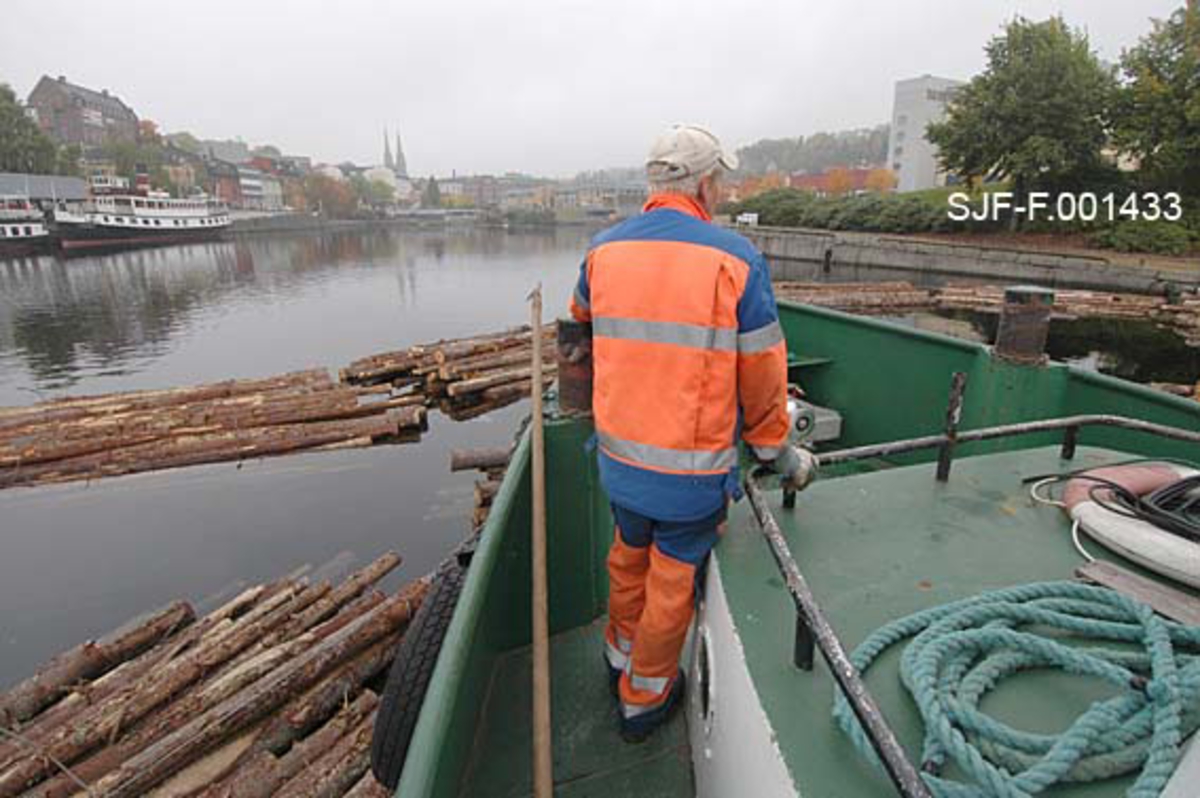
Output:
x,y
1168,601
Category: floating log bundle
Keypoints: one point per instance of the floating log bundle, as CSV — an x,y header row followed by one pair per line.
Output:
x,y
383,398
491,465
1179,389
1181,314
463,377
274,693
874,299
126,433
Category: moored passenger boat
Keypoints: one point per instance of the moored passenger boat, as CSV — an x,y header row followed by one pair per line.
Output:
x,y
22,226
919,507
110,220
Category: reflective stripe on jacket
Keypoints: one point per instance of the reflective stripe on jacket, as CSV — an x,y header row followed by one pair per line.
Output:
x,y
686,341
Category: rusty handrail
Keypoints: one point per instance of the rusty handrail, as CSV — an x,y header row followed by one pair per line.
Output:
x,y
813,628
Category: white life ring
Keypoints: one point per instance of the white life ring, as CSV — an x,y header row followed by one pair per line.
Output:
x,y
1163,552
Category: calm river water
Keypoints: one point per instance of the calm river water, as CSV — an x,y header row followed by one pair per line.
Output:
x,y
77,560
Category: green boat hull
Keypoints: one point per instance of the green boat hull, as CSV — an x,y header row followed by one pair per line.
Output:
x,y
889,382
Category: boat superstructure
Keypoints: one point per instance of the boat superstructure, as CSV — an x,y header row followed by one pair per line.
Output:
x,y
22,225
124,219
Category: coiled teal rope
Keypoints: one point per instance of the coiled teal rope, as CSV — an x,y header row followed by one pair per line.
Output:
x,y
962,650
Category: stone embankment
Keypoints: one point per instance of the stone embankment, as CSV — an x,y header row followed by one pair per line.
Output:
x,y
798,254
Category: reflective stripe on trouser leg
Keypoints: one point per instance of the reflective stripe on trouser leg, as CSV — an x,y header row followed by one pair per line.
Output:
x,y
627,568
617,651
660,634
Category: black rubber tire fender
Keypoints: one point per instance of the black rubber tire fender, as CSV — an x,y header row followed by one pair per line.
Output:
x,y
411,671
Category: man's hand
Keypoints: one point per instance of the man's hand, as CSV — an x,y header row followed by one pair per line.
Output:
x,y
797,466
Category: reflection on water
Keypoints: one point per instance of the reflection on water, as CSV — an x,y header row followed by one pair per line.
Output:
x,y
259,305
1141,351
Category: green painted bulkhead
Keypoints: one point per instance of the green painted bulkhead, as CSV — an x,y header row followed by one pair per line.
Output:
x,y
891,382
888,381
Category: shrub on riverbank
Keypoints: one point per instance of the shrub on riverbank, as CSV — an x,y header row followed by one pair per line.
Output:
x,y
928,212
879,213
529,217
1158,238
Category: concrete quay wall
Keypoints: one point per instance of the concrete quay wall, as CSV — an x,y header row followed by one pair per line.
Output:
x,y
798,254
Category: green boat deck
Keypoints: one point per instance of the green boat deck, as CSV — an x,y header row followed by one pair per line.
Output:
x,y
875,547
589,759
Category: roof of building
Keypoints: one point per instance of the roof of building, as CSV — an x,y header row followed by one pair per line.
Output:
x,y
110,104
42,187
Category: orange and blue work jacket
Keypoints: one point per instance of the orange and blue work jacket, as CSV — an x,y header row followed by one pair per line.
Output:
x,y
687,350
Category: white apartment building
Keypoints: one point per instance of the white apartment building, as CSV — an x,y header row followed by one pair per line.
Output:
x,y
913,159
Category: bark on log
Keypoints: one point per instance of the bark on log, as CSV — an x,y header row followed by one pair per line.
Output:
x,y
479,459
14,420
462,387
316,705
165,720
513,390
167,755
474,409
349,589
479,516
473,366
387,366
209,769
368,787
49,443
263,773
90,660
477,346
485,492
312,379
103,721
130,672
219,447
336,771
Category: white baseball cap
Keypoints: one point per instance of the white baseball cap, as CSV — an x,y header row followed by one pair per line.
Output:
x,y
686,150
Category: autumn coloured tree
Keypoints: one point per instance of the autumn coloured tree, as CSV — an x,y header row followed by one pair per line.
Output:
x,y
148,131
838,181
881,180
333,198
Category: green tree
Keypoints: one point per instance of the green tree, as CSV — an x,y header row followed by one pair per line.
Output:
x,y
817,152
129,156
431,197
67,160
379,193
23,146
1157,113
1036,115
267,151
371,192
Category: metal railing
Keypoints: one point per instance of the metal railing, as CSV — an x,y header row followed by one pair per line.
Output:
x,y
813,629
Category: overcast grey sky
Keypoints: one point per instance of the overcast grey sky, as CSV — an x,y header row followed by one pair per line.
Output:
x,y
542,86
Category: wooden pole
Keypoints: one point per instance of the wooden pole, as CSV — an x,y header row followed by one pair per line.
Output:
x,y
543,768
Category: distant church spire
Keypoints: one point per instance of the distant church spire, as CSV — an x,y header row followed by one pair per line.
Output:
x,y
400,166
387,151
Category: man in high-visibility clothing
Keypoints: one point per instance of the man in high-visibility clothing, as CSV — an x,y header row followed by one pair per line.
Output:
x,y
687,355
